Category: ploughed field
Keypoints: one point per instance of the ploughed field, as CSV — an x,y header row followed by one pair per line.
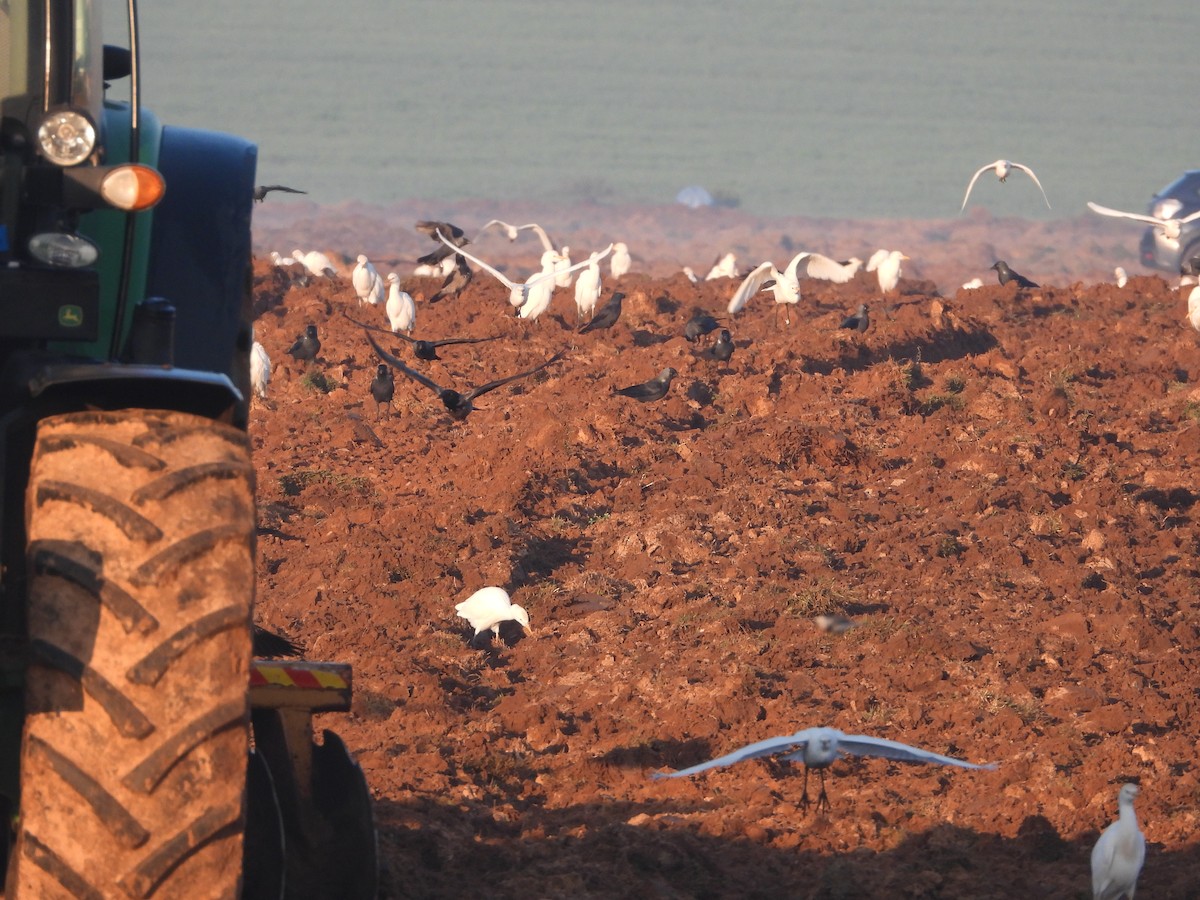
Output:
x,y
998,487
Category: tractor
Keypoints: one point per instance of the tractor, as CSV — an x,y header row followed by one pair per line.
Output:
x,y
145,750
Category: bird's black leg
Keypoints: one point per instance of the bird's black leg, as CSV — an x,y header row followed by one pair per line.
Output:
x,y
823,800
804,795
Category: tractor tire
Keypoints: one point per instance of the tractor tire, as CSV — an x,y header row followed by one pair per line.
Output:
x,y
140,562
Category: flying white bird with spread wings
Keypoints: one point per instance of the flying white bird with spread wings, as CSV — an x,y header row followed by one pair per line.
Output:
x,y
514,231
817,748
1170,228
825,268
1003,168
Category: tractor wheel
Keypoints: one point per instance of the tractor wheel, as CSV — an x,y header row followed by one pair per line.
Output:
x,y
140,571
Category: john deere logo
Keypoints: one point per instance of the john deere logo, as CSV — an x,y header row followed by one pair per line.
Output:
x,y
70,316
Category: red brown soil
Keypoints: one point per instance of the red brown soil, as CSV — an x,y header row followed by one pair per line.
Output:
x,y
996,486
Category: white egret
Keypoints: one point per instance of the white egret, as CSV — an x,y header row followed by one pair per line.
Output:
x,y
488,607
1119,853
400,308
367,283
784,285
588,287
1194,307
513,231
621,261
1170,228
316,262
887,270
725,267
1002,168
260,370
817,748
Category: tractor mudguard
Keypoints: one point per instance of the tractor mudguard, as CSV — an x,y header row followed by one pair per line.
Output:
x,y
200,244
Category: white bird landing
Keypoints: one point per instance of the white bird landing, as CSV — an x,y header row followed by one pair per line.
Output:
x,y
513,231
1170,228
1119,853
488,607
817,748
814,265
519,293
785,286
1002,168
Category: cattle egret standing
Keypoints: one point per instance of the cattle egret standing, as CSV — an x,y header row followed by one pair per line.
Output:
x,y
817,748
888,271
587,288
488,607
367,283
1119,853
1121,275
1170,228
621,261
1002,168
401,310
562,268
260,370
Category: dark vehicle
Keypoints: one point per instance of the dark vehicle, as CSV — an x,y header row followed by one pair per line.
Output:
x,y
1177,200
129,698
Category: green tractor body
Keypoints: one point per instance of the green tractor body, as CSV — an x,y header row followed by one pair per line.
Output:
x,y
129,698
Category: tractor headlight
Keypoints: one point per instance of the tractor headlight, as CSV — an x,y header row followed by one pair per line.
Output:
x,y
63,250
66,138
